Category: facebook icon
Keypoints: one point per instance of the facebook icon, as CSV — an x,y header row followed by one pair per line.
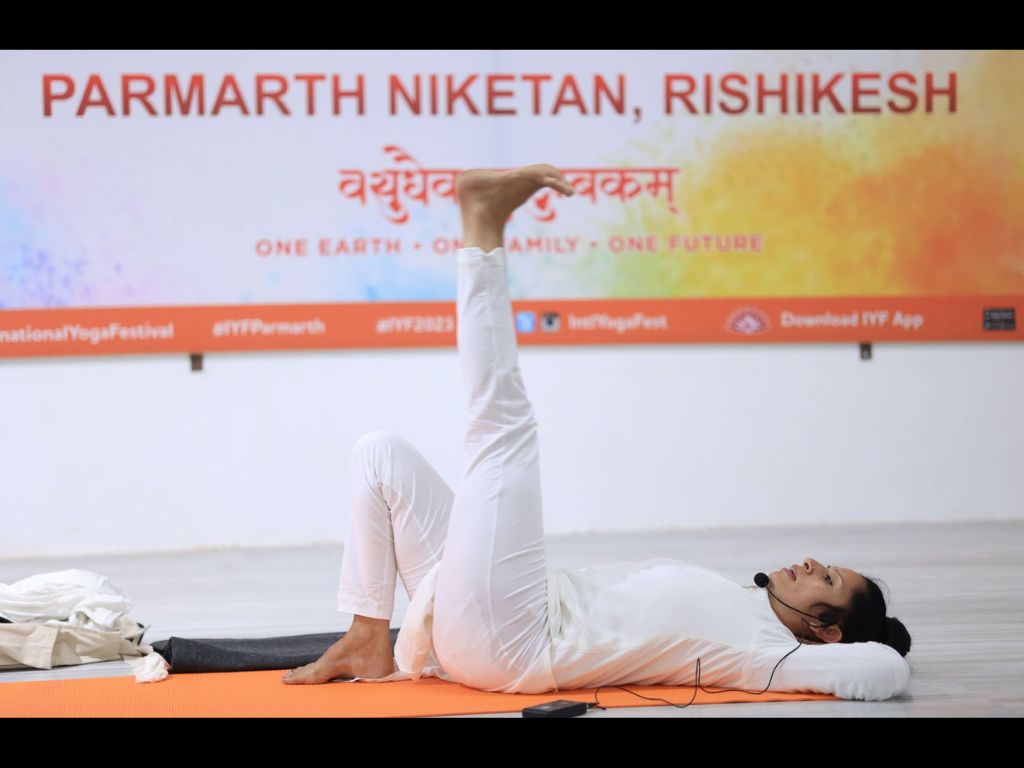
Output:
x,y
526,322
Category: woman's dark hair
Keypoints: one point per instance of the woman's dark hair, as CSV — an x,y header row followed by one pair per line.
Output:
x,y
863,619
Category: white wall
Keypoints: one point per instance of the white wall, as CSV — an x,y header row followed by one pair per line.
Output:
x,y
137,453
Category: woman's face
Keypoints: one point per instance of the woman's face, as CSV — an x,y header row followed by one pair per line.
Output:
x,y
805,586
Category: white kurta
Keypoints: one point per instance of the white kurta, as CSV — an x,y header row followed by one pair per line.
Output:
x,y
648,622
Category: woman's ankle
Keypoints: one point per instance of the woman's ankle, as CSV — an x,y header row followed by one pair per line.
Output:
x,y
366,626
482,230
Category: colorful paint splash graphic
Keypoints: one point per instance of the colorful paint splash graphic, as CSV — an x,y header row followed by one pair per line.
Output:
x,y
881,204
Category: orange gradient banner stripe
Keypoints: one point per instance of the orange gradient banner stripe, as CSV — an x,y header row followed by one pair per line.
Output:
x,y
198,329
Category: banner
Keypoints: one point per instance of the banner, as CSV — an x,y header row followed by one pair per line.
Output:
x,y
194,201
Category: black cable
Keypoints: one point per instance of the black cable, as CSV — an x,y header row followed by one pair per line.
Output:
x,y
683,706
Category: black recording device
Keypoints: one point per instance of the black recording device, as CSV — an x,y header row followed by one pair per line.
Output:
x,y
557,708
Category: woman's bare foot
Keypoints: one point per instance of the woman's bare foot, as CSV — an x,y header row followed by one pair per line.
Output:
x,y
496,194
354,655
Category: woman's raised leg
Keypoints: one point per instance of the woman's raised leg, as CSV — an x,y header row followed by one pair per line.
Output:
x,y
490,610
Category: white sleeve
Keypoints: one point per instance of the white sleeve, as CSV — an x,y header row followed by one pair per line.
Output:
x,y
867,671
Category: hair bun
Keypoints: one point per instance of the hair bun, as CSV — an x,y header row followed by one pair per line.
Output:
x,y
896,635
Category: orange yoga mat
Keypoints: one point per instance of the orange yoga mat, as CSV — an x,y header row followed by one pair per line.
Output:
x,y
264,694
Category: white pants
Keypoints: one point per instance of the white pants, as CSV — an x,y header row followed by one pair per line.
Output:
x,y
490,611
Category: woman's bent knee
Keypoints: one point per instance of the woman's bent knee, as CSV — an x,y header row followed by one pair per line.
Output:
x,y
376,438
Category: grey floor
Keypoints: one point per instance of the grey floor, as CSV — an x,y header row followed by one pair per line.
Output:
x,y
957,587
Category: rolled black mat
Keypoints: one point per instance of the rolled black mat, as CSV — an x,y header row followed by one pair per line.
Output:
x,y
186,654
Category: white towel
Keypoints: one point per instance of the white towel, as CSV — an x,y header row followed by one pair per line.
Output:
x,y
79,598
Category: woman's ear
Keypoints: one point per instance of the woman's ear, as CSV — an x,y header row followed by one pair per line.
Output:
x,y
830,632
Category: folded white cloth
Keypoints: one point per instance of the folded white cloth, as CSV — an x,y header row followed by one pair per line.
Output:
x,y
72,597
